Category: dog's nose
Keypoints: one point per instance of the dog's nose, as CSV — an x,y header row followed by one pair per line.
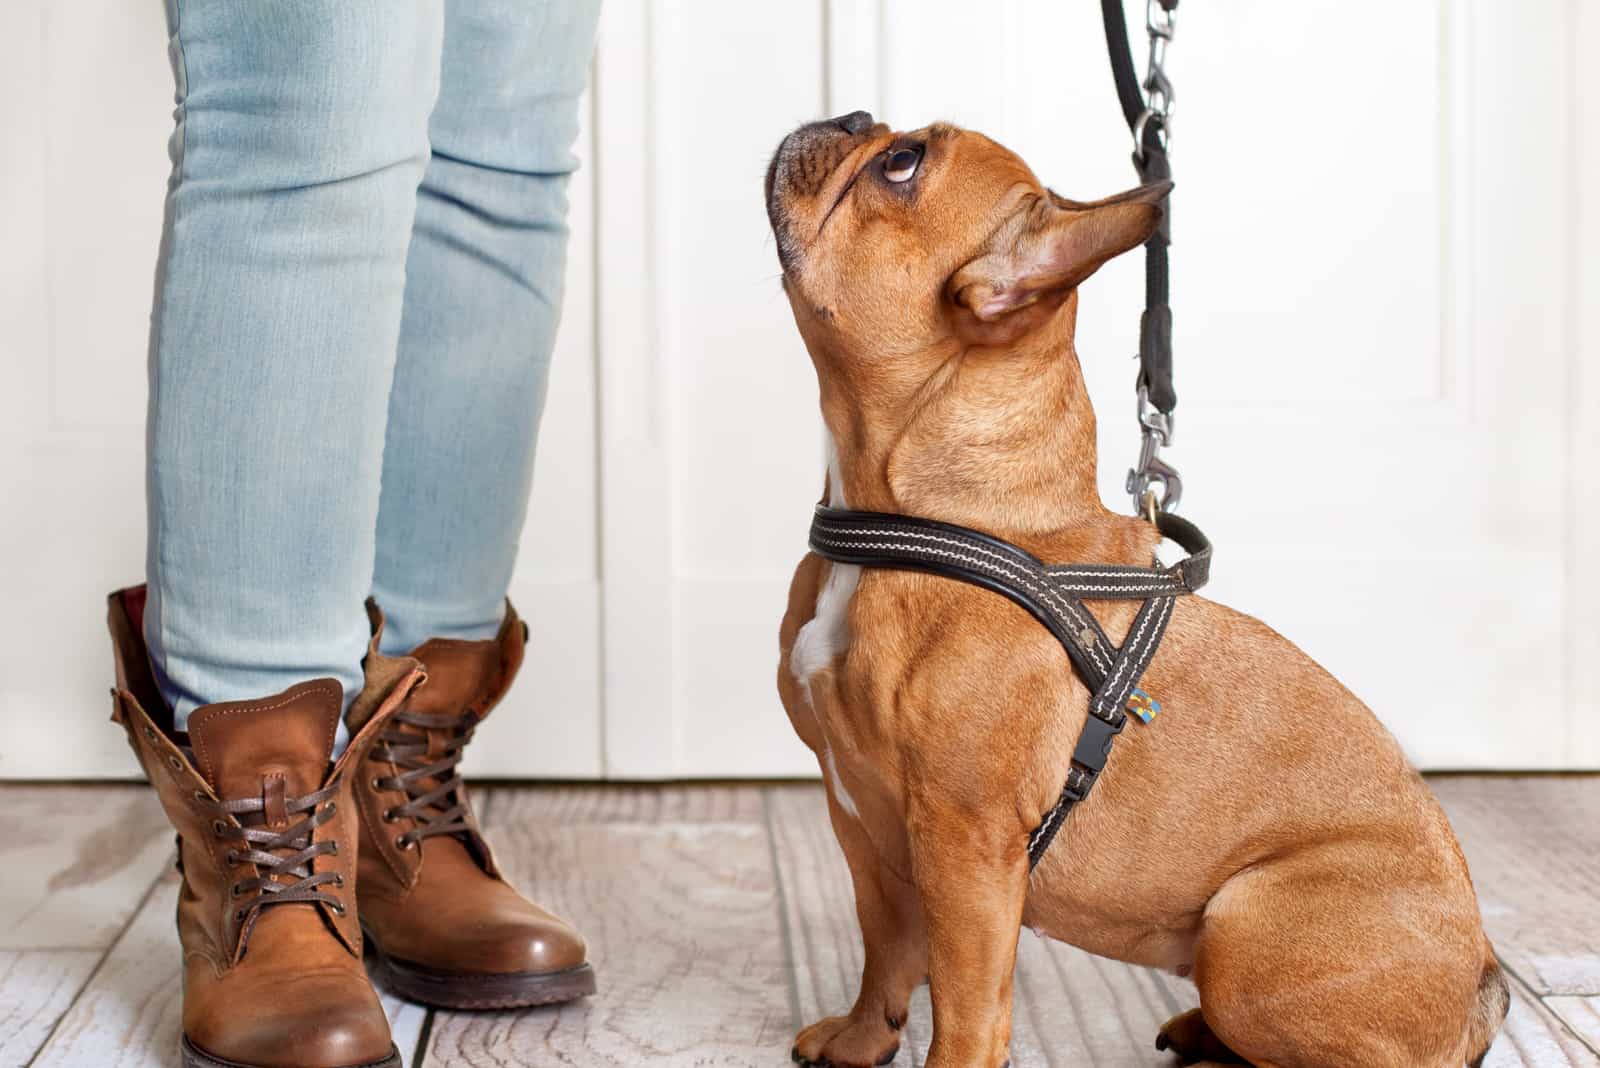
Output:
x,y
855,122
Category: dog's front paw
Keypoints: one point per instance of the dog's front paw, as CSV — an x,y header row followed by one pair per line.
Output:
x,y
1191,1038
843,1042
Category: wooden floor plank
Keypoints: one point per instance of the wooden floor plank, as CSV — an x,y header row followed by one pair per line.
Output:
x,y
1534,1038
676,889
36,986
819,904
647,803
681,919
1533,843
406,1024
1076,1008
1581,1015
77,859
1070,1008
130,1014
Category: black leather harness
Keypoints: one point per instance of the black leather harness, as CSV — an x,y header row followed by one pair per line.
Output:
x,y
1054,595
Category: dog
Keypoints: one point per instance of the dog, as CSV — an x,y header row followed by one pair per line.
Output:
x,y
1264,835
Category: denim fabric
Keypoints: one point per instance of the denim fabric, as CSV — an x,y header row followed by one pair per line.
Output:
x,y
358,287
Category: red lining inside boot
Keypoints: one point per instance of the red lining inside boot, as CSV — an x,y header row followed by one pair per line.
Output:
x,y
133,600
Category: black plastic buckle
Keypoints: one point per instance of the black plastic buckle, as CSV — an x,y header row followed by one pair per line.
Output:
x,y
1093,749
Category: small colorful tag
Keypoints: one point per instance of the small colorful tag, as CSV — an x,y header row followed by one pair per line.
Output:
x,y
1143,705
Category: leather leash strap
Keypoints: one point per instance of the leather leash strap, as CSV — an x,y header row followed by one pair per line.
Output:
x,y
1053,594
1149,125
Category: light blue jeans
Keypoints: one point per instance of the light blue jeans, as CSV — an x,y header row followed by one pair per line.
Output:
x,y
358,287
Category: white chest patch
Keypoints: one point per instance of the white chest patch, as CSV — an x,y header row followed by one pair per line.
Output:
x,y
824,637
826,634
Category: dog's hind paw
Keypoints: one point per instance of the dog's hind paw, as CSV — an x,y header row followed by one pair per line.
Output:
x,y
1191,1038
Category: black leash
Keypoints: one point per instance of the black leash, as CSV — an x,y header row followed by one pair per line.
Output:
x,y
1053,594
1148,111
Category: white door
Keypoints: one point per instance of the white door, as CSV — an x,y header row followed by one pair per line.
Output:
x,y
1378,308
1384,288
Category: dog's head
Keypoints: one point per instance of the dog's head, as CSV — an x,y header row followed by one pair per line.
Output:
x,y
894,243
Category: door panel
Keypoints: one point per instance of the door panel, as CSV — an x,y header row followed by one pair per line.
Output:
x,y
711,447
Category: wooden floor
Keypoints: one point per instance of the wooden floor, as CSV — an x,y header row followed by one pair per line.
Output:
x,y
719,920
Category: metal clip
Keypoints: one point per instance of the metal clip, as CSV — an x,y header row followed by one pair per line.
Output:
x,y
1157,87
1159,21
1157,428
1159,93
1139,124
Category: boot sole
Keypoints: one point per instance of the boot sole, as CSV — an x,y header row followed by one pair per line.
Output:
x,y
194,1058
453,990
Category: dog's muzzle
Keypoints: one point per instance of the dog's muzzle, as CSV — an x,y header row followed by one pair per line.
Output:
x,y
802,164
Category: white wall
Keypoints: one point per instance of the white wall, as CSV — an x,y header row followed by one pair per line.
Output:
x,y
1384,288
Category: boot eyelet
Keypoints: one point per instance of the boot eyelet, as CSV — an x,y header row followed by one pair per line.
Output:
x,y
177,764
388,815
338,880
238,915
403,842
232,858
333,848
377,782
338,908
200,795
234,890
332,807
219,828
150,733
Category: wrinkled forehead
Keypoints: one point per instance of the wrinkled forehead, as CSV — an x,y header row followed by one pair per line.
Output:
x,y
974,161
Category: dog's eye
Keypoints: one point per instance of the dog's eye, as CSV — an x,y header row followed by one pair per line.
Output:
x,y
902,164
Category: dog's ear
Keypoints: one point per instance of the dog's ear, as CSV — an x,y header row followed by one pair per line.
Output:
x,y
1043,252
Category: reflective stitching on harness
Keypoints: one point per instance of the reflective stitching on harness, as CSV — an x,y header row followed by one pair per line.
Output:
x,y
1007,568
1101,658
1131,649
968,555
1015,568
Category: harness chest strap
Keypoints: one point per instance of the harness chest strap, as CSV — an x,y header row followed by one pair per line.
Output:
x,y
1053,594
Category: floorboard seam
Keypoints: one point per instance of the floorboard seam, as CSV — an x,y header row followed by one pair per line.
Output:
x,y
424,1035
781,895
1538,999
105,955
1544,1000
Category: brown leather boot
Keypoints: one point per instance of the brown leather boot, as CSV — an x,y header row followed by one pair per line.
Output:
x,y
267,839
442,924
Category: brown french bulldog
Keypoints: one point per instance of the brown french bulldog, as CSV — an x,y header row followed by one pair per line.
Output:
x,y
1264,834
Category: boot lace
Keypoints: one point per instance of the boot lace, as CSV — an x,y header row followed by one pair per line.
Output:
x,y
433,789
282,859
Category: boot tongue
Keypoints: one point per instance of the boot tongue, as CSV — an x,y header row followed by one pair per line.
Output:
x,y
275,748
460,674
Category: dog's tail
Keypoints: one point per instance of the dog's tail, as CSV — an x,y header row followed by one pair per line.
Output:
x,y
1489,1012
